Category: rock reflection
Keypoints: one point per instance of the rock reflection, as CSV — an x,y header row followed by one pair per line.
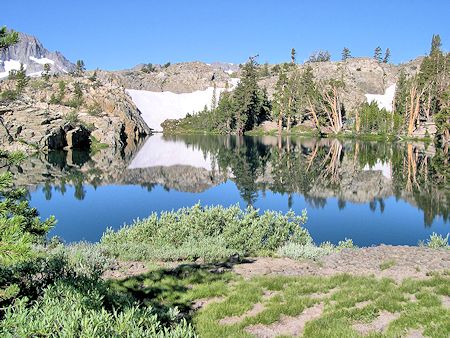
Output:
x,y
318,169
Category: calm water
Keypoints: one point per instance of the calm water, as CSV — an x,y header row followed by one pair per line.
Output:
x,y
370,192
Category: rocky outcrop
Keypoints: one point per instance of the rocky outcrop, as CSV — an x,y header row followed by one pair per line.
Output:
x,y
179,78
106,115
33,55
361,76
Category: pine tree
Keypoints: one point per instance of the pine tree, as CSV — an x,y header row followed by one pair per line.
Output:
x,y
435,44
387,55
8,38
247,98
80,68
377,54
21,78
293,55
345,54
46,72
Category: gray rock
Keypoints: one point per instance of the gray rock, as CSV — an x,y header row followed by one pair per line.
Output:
x,y
29,46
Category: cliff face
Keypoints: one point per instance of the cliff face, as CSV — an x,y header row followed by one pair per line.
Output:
x,y
179,78
33,120
364,78
33,55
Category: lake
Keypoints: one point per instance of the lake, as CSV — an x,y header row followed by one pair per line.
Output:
x,y
371,192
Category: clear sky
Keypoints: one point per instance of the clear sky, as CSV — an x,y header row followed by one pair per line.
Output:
x,y
120,34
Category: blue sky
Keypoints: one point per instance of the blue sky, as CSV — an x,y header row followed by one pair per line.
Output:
x,y
120,34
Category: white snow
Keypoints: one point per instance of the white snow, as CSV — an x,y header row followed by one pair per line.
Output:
x,y
384,167
229,71
10,65
35,74
156,107
42,61
158,152
385,100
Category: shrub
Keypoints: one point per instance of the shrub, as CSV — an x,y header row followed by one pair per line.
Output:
x,y
94,109
81,311
220,232
311,251
72,117
436,241
308,251
9,95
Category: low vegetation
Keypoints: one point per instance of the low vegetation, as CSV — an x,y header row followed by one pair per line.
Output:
x,y
210,233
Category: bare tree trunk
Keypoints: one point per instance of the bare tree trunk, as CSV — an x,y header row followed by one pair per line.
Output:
x,y
280,124
313,112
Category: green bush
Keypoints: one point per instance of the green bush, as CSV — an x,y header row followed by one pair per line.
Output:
x,y
9,95
436,242
221,232
68,310
312,251
72,117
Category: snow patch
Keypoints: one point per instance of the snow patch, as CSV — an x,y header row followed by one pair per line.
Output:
x,y
385,100
42,61
158,152
229,71
10,65
156,107
384,167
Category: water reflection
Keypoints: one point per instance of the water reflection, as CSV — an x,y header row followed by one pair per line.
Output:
x,y
319,170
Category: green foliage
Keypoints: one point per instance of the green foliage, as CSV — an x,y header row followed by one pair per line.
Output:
x,y
312,251
77,100
148,68
437,242
375,120
236,112
387,56
8,38
377,54
72,117
20,225
20,77
81,310
58,98
166,65
221,232
9,95
320,56
80,68
387,264
346,54
94,109
46,72
345,300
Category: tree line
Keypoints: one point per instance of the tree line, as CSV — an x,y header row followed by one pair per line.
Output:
x,y
299,96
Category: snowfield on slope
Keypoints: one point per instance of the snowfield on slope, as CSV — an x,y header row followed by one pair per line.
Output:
x,y
385,100
157,152
156,107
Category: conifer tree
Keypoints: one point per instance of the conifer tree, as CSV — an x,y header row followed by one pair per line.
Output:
x,y
345,54
377,54
387,55
80,68
46,72
21,78
247,98
8,38
293,55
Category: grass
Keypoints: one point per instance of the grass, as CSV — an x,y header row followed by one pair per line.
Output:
x,y
387,264
340,294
